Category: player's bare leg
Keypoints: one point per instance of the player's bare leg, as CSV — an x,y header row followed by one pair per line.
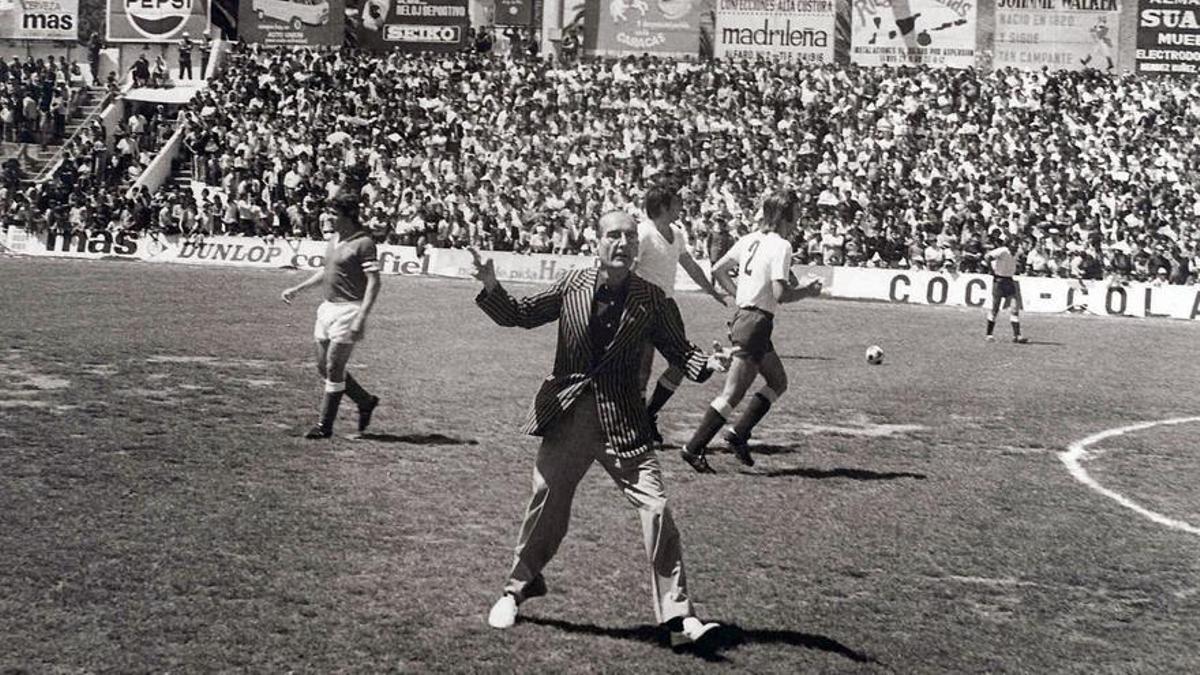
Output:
x,y
1015,317
992,313
738,437
742,371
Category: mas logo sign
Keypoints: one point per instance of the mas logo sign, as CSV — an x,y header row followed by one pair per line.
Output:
x,y
156,20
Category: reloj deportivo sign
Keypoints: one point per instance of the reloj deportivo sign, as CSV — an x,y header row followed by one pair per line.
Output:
x,y
156,20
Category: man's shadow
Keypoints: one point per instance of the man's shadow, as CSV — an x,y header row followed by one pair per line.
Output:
x,y
724,638
415,439
838,472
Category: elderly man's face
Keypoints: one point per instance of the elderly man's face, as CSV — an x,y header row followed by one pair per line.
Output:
x,y
618,244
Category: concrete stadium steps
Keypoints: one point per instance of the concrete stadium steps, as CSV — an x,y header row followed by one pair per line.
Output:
x,y
34,158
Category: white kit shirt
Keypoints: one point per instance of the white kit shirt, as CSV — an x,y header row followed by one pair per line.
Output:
x,y
762,259
658,259
1003,262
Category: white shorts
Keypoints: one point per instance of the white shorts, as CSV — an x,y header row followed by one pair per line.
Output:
x,y
334,320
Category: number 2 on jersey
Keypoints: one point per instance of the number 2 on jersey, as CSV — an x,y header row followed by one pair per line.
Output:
x,y
746,265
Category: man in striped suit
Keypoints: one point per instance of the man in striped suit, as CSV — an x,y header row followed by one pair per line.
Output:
x,y
591,409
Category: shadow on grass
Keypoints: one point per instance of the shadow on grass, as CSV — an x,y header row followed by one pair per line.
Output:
x,y
416,439
852,474
804,357
1043,343
721,639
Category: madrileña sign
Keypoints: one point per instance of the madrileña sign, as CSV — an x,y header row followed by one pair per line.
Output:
x,y
797,30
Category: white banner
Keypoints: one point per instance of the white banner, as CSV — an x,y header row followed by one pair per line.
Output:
x,y
39,20
1039,294
273,253
797,30
1060,34
900,32
537,268
93,246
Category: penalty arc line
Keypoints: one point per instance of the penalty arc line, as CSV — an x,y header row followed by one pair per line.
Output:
x,y
1077,452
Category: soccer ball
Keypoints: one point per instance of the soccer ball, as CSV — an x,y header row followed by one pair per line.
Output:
x,y
874,355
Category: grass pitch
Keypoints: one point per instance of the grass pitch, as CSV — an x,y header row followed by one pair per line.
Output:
x,y
158,510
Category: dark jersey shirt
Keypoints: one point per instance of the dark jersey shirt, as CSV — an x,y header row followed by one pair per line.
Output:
x,y
347,264
607,306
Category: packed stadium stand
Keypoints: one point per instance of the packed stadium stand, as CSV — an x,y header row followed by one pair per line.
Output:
x,y
901,167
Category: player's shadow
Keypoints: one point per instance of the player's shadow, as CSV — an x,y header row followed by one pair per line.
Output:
x,y
416,439
804,357
839,472
722,639
1044,343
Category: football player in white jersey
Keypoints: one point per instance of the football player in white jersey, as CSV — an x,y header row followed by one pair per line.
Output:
x,y
763,261
662,249
1005,287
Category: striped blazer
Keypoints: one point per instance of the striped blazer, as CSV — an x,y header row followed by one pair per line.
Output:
x,y
647,317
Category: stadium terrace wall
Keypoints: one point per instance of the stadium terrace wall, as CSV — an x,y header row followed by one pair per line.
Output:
x,y
1041,295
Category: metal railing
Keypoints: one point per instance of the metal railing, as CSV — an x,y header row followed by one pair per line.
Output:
x,y
56,161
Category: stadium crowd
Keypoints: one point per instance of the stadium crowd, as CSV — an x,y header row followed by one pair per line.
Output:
x,y
902,167
90,189
36,98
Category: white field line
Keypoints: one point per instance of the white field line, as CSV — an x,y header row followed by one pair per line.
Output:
x,y
1077,452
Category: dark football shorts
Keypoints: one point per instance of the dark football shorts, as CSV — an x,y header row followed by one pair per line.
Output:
x,y
750,333
1004,288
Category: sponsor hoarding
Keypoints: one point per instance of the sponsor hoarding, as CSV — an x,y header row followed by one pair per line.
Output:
x,y
1059,34
1039,294
39,19
797,30
292,22
156,20
659,27
410,25
898,33
1168,36
514,13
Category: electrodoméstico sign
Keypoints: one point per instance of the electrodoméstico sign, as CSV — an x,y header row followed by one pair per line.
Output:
x,y
39,19
409,25
1168,36
292,22
156,20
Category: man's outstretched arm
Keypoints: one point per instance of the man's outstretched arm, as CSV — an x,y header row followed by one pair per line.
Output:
x,y
528,312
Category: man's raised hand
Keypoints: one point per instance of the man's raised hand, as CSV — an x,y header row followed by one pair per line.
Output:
x,y
485,271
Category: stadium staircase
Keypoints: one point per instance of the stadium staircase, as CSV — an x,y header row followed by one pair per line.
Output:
x,y
34,160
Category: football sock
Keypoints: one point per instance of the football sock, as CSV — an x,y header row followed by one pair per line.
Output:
x,y
663,391
330,402
355,391
758,407
714,417
1016,326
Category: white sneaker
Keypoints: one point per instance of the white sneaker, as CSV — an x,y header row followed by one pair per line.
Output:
x,y
504,612
693,631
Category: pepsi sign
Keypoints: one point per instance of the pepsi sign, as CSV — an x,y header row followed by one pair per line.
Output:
x,y
156,20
